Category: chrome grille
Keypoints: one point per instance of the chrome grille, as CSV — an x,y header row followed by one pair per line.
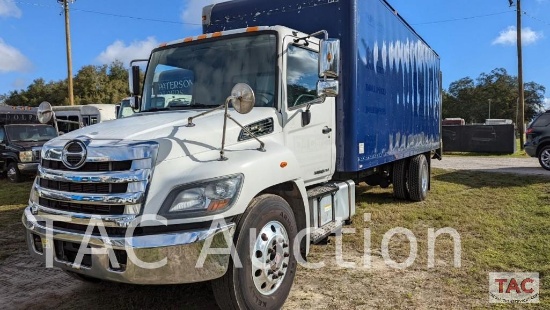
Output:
x,y
112,182
90,166
36,153
82,208
97,188
258,129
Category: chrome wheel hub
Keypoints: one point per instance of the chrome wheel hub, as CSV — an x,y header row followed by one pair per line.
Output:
x,y
270,257
545,158
425,177
11,173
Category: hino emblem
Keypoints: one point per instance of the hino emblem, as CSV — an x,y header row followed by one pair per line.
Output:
x,y
74,154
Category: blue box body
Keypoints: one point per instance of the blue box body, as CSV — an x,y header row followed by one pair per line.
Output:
x,y
389,105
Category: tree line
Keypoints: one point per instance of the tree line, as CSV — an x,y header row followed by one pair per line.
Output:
x,y
470,99
91,84
466,98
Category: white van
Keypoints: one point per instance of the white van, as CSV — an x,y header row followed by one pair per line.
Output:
x,y
85,115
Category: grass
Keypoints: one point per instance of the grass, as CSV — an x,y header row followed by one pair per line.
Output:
x,y
503,222
13,198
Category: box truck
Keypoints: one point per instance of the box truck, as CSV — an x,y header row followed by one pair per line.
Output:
x,y
291,103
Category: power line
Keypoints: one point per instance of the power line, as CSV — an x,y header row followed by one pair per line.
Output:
x,y
137,18
536,18
109,14
462,18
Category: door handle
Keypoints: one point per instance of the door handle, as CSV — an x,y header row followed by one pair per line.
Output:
x,y
327,130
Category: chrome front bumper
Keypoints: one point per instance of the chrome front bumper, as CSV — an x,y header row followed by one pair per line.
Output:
x,y
180,251
27,168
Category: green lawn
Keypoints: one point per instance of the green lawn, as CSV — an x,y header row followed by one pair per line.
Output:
x,y
503,221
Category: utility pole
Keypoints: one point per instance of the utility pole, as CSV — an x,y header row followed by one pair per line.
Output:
x,y
65,4
490,108
521,98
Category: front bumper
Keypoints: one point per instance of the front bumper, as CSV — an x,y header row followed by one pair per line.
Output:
x,y
180,251
27,168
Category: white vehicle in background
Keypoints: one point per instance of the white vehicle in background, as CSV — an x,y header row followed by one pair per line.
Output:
x,y
84,115
160,102
124,108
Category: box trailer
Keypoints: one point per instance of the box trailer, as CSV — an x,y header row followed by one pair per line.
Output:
x,y
286,106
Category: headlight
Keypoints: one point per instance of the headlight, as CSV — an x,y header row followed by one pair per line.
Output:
x,y
25,156
208,196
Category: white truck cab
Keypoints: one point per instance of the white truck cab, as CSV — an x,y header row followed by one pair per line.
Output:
x,y
228,162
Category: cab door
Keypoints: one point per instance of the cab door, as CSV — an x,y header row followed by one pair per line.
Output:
x,y
313,142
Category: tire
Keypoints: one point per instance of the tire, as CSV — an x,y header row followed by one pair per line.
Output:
x,y
544,157
399,179
13,173
254,287
419,178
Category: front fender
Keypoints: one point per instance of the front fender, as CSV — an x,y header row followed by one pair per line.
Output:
x,y
261,170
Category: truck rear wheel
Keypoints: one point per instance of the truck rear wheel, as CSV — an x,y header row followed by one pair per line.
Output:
x,y
13,173
399,179
419,178
268,262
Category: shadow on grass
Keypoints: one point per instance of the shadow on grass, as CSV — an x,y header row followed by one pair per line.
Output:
x,y
370,194
480,179
108,295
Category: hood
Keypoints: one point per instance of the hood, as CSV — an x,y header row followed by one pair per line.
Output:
x,y
25,146
170,130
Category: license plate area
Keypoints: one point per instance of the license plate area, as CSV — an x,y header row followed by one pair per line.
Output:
x,y
68,252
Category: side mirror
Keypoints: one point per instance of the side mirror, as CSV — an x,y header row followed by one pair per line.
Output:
x,y
328,88
45,112
155,88
329,58
134,102
117,110
133,77
243,98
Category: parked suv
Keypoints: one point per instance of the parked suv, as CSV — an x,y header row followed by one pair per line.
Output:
x,y
538,139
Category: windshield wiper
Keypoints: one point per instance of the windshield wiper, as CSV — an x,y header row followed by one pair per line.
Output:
x,y
196,105
156,110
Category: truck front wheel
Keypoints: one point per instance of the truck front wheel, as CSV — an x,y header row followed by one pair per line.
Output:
x,y
264,244
13,173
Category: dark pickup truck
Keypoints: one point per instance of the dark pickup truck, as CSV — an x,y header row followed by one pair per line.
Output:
x,y
21,140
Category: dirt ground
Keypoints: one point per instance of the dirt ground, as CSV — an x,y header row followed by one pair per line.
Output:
x,y
27,285
520,166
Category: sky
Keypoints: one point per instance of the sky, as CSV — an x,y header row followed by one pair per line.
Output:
x,y
470,36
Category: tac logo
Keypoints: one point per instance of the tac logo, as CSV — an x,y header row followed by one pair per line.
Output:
x,y
514,287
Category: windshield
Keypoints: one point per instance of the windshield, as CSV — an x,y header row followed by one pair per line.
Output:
x,y
30,133
201,75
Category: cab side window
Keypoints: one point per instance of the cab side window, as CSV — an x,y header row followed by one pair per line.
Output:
x,y
2,135
301,76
